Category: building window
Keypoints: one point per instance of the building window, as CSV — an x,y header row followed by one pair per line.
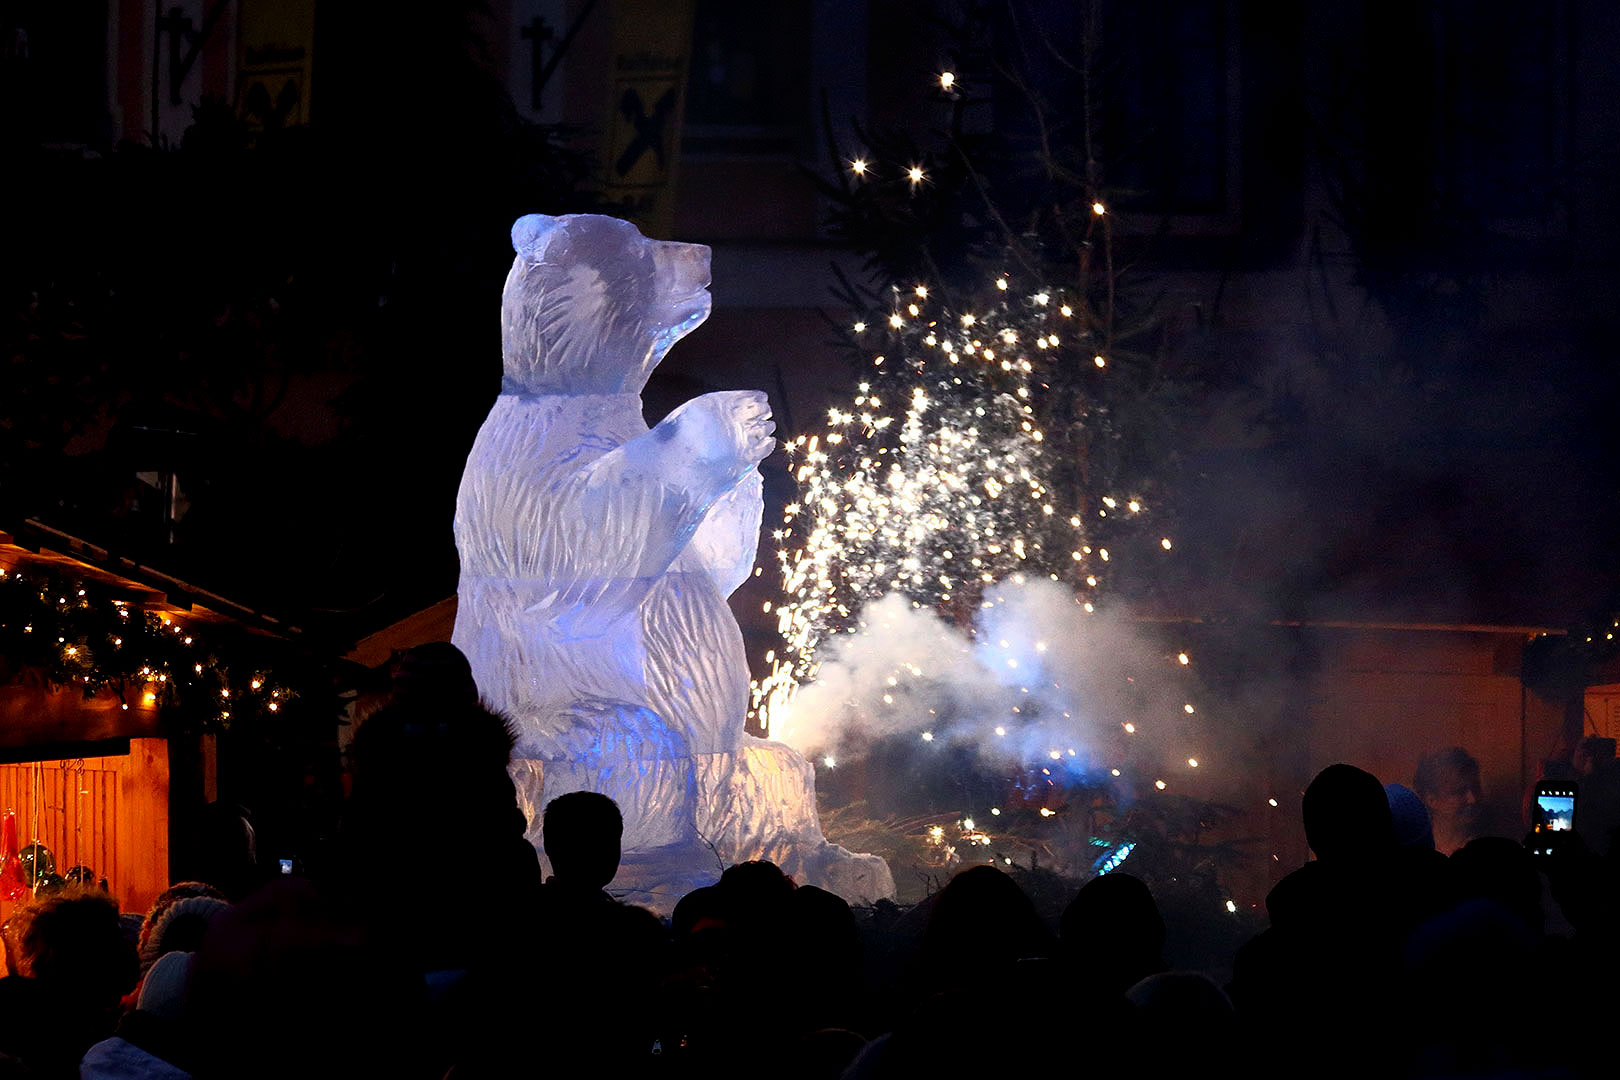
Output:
x,y
748,89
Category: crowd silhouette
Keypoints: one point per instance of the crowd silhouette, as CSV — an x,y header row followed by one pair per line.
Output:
x,y
423,945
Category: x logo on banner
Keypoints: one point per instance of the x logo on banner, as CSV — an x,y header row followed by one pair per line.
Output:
x,y
649,129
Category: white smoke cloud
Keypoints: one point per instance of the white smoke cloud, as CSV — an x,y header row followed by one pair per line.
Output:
x,y
1038,682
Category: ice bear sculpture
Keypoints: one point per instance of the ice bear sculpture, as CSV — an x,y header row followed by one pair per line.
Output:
x,y
596,558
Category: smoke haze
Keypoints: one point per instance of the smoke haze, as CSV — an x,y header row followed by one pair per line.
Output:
x,y
1039,682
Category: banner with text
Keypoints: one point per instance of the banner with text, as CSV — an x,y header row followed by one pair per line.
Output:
x,y
652,45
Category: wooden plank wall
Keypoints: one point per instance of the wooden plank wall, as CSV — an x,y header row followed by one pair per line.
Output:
x,y
109,813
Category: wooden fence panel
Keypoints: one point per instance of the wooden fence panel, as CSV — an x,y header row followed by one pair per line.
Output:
x,y
109,813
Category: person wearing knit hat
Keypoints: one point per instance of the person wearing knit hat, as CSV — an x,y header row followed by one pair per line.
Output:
x,y
147,1040
180,927
167,898
163,991
169,936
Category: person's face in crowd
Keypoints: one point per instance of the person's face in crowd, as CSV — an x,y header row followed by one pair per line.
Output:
x,y
1456,796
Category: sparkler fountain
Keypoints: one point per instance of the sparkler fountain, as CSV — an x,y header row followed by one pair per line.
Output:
x,y
951,567
943,571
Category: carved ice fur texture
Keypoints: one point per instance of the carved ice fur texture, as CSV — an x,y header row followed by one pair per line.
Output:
x,y
596,558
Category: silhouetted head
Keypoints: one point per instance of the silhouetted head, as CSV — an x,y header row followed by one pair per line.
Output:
x,y
437,673
825,929
1113,927
1495,868
76,962
419,744
1591,754
582,830
71,935
1447,781
219,846
1476,969
73,941
1186,1022
753,896
756,881
701,909
1410,817
1347,814
982,917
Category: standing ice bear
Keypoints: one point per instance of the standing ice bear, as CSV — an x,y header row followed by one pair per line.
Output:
x,y
596,558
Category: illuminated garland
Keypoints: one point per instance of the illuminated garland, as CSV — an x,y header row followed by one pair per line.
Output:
x,y
1597,640
1559,667
72,633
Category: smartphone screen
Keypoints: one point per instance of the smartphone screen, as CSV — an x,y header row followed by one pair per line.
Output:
x,y
1557,810
1552,812
286,866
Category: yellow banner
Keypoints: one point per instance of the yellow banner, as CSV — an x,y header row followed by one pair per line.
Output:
x,y
652,45
276,42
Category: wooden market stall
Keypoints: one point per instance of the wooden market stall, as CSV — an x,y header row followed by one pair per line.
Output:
x,y
91,771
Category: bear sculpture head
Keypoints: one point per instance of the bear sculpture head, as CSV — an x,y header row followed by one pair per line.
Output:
x,y
591,306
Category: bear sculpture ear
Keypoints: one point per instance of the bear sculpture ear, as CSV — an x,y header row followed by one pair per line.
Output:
x,y
532,232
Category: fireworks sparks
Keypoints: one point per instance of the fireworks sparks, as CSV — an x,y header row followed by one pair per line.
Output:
x,y
952,457
945,476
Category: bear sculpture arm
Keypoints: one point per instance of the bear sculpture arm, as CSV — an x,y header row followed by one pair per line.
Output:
x,y
618,524
727,540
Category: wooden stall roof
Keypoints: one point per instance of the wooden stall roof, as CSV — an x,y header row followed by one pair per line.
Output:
x,y
430,624
60,719
36,544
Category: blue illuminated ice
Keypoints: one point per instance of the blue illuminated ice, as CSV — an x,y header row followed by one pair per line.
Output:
x,y
596,558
